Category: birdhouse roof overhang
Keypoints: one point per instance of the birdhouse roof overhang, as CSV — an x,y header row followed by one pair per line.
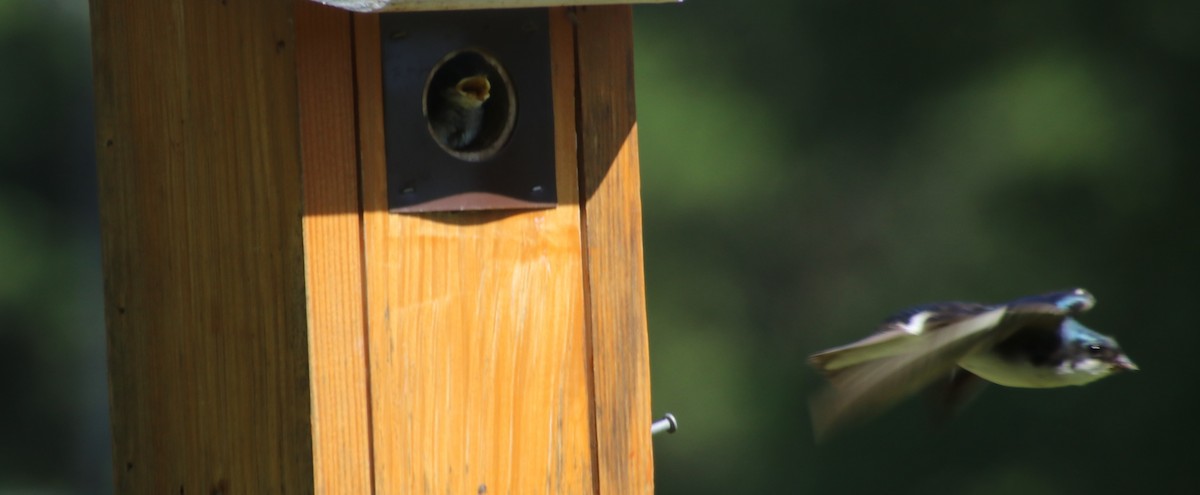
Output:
x,y
422,5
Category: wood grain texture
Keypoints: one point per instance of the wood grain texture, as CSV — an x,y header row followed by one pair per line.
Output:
x,y
477,340
613,250
200,205
333,251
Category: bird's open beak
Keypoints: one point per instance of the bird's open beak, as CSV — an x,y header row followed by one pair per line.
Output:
x,y
1123,363
477,86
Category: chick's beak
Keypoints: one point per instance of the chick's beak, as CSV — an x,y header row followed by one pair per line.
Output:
x,y
478,87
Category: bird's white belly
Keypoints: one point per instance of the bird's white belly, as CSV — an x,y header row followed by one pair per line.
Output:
x,y
1022,374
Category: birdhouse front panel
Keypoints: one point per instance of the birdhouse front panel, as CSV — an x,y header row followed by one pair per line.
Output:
x,y
481,335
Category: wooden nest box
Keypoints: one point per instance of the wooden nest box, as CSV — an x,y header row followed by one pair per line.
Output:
x,y
357,248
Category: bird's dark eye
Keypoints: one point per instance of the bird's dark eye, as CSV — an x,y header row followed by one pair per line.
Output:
x,y
1096,350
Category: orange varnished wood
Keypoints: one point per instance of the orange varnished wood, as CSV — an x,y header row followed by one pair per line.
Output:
x,y
476,326
613,250
333,251
200,204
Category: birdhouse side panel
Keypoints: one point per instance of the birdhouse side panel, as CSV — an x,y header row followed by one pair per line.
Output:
x,y
611,188
200,200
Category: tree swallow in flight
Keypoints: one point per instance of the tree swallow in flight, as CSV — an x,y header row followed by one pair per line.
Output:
x,y
1031,342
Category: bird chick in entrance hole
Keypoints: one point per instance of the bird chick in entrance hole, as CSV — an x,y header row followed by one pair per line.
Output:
x,y
459,118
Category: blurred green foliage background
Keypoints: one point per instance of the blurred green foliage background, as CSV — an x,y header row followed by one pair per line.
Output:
x,y
808,168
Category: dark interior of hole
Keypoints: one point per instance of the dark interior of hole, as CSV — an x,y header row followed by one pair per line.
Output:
x,y
495,109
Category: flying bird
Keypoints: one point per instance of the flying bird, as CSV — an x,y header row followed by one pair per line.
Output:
x,y
459,117
1031,342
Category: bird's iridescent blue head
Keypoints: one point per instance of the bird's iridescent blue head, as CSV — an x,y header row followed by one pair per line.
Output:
x,y
1091,355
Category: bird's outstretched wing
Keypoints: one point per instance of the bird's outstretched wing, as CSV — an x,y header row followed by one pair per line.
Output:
x,y
899,333
868,387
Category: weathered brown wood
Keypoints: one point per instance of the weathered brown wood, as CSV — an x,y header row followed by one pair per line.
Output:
x,y
333,251
200,205
477,345
613,249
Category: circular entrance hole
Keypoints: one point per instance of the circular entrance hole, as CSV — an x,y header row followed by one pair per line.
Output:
x,y
470,106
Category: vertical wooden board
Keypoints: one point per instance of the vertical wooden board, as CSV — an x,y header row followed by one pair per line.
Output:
x,y
200,201
333,250
476,323
613,242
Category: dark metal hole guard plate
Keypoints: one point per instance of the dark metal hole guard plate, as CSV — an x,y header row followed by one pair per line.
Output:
x,y
422,177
